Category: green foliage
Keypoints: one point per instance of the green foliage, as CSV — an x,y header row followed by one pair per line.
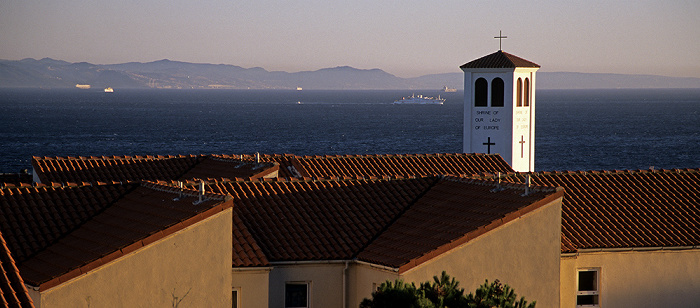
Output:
x,y
496,295
397,295
443,292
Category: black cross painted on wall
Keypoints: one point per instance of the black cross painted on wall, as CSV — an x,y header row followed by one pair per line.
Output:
x,y
488,145
522,145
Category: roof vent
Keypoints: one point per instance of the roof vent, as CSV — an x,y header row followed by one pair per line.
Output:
x,y
498,183
200,193
257,157
181,192
527,187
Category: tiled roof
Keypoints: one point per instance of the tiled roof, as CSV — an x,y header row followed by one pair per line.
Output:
x,y
217,167
285,161
404,165
451,213
33,218
16,179
499,59
627,209
146,214
297,220
246,251
13,293
96,169
389,221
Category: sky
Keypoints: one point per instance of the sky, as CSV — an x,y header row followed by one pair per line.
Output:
x,y
407,38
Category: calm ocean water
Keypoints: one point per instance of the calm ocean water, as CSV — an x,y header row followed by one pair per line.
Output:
x,y
575,129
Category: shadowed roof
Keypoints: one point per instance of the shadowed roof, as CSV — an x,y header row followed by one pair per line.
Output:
x,y
627,209
378,165
32,218
13,292
388,221
300,220
117,225
449,214
95,169
499,59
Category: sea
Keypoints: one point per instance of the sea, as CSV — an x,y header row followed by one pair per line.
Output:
x,y
612,129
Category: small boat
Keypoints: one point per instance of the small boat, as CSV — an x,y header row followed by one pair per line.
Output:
x,y
447,89
420,100
109,90
298,88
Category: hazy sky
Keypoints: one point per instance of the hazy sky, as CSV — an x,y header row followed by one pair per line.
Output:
x,y
406,38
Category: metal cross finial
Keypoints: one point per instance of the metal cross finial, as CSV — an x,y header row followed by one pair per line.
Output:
x,y
500,38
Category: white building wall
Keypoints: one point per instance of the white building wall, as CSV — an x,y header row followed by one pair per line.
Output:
x,y
484,124
511,129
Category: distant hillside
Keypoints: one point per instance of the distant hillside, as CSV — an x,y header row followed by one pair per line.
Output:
x,y
50,73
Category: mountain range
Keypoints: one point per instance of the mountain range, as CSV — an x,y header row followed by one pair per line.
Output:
x,y
50,73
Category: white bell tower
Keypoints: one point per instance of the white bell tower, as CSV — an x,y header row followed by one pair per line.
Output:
x,y
499,108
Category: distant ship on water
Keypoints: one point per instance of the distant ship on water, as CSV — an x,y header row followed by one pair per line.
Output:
x,y
109,90
420,100
447,89
82,86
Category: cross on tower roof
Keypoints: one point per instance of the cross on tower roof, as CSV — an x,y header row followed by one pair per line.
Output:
x,y
500,38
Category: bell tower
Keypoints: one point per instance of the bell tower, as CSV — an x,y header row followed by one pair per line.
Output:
x,y
499,108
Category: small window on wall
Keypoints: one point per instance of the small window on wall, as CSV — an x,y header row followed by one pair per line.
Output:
x,y
296,295
497,92
236,298
519,98
527,92
588,292
481,92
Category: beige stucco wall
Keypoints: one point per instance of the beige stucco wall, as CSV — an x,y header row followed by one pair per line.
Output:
x,y
252,285
192,265
325,288
661,278
523,253
362,278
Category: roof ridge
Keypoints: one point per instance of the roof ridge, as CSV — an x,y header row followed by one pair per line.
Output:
x,y
327,156
502,186
184,191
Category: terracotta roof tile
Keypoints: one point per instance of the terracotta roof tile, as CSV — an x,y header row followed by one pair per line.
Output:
x,y
318,219
35,217
13,292
451,213
627,209
149,168
499,59
126,218
339,219
405,165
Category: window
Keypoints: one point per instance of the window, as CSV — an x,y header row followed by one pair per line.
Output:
x,y
481,92
527,92
587,292
296,295
497,92
519,98
235,300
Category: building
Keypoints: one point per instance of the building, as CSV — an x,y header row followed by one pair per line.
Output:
x,y
499,108
324,231
131,245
